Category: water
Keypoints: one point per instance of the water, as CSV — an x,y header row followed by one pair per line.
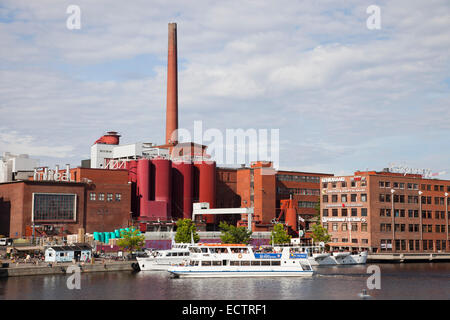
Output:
x,y
398,281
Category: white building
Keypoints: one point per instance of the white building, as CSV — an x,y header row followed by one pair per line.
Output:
x,y
101,153
16,167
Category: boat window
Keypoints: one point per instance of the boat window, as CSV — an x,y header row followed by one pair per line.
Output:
x,y
193,263
204,250
186,253
245,263
234,263
195,250
305,266
169,254
265,263
256,263
275,263
217,263
206,263
212,250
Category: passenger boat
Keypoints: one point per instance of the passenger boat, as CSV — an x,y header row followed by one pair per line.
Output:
x,y
237,260
162,259
317,256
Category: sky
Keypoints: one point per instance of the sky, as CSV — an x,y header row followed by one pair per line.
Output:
x,y
344,97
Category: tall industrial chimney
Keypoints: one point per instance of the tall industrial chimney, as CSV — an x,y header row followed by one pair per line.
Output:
x,y
172,87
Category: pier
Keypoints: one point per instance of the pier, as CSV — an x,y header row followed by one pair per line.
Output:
x,y
408,257
24,269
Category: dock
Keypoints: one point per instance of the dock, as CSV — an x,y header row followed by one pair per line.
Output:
x,y
24,269
408,257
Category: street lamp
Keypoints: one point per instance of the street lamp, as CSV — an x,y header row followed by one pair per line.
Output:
x,y
393,219
420,215
446,216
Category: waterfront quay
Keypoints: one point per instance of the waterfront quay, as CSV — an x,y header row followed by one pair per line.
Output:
x,y
16,269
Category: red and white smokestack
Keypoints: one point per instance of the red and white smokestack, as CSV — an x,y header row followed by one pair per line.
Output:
x,y
172,87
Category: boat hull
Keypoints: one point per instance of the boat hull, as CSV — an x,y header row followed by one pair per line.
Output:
x,y
151,264
350,259
186,272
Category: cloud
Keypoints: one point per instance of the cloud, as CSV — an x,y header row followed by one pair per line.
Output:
x,y
336,90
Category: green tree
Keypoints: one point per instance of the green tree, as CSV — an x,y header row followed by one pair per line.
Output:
x,y
185,229
279,235
320,234
131,240
232,234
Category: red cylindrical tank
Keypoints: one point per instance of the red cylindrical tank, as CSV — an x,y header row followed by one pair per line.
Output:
x,y
182,189
163,183
131,166
143,186
111,137
207,185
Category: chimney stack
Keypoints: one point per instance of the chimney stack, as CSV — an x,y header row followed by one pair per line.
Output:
x,y
172,87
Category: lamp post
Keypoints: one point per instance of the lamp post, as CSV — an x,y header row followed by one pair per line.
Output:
x,y
446,216
420,215
393,219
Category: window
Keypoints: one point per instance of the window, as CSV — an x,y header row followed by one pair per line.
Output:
x,y
335,212
334,198
109,197
364,227
118,196
343,198
101,197
382,212
335,226
363,212
53,206
354,240
354,212
381,184
275,263
344,212
387,184
382,197
92,196
363,197
388,212
343,184
344,227
353,197
325,212
354,227
325,198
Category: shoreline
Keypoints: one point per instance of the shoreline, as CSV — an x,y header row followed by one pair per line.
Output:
x,y
61,268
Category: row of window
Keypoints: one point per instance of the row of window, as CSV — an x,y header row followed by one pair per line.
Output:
x,y
344,227
363,241
428,228
298,191
400,244
101,196
344,212
343,184
435,187
307,204
426,214
288,177
398,185
344,198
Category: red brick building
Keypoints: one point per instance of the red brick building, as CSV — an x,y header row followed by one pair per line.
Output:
x,y
95,199
262,187
386,212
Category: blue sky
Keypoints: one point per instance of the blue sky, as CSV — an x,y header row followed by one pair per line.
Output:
x,y
344,97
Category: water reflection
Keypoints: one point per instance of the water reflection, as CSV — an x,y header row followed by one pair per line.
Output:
x,y
398,281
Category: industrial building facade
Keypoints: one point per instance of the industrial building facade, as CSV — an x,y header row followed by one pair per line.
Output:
x,y
386,212
93,199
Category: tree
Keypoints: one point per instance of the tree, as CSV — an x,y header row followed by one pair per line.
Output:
x,y
185,229
320,234
279,235
131,240
232,234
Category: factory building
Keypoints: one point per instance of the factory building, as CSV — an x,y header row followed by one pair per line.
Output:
x,y
57,203
386,212
16,167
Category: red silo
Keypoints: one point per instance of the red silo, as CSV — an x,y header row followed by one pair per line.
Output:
x,y
182,189
163,184
207,185
143,187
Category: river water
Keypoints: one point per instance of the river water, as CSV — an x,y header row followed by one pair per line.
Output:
x,y
398,281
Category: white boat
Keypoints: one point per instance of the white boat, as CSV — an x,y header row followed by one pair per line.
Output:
x,y
236,260
317,256
162,259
